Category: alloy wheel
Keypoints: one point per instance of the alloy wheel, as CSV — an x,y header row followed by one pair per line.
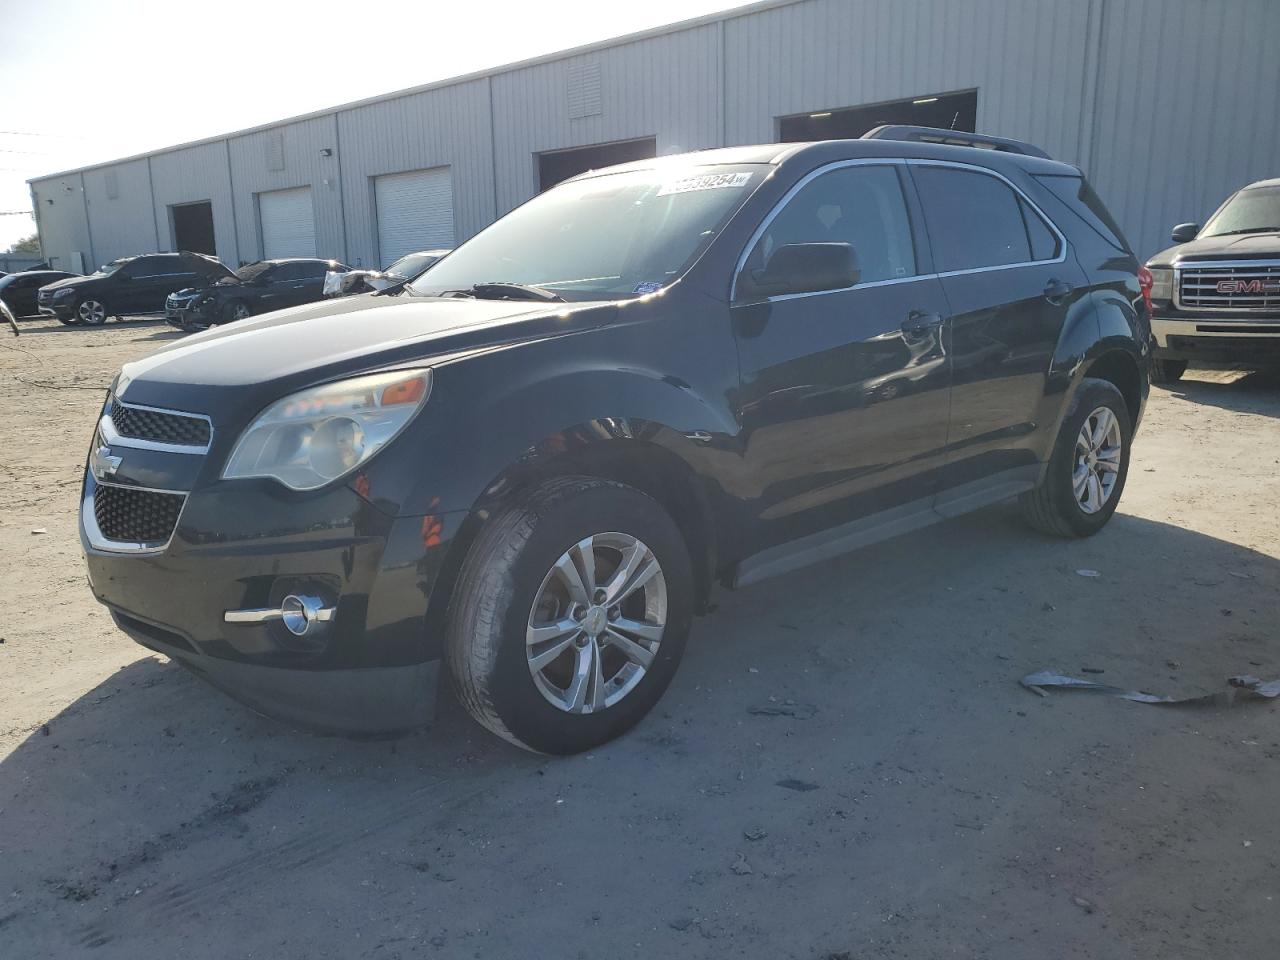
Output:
x,y
93,312
1099,447
240,311
597,623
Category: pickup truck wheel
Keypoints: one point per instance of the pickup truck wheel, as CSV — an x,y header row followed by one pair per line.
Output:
x,y
91,312
1167,371
1087,470
570,615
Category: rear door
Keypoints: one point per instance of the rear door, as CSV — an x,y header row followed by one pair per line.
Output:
x,y
306,283
151,279
844,393
1010,283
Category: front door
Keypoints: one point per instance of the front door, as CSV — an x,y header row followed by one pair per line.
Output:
x,y
1011,283
844,393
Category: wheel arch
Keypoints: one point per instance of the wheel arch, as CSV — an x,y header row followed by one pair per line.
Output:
x,y
1119,367
639,456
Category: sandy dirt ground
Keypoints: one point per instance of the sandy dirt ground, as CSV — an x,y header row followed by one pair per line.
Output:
x,y
844,767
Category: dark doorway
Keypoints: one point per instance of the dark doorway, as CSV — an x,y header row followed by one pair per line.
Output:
x,y
563,164
950,111
193,227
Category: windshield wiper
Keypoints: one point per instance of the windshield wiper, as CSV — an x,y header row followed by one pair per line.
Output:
x,y
1233,233
500,290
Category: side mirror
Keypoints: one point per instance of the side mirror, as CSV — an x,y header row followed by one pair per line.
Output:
x,y
1184,232
807,268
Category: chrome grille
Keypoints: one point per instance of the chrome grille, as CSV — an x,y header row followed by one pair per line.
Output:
x,y
130,515
139,423
1237,286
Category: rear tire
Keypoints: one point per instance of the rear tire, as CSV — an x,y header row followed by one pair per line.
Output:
x,y
506,679
1167,371
1061,506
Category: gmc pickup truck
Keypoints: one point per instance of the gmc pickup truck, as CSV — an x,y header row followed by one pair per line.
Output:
x,y
1215,295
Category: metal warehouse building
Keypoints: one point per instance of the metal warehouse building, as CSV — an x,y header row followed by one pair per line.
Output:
x,y
1167,105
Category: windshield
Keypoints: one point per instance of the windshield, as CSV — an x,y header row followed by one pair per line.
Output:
x,y
1256,210
412,265
617,235
251,271
109,268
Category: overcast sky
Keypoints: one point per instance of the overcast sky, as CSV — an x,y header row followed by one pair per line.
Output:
x,y
83,81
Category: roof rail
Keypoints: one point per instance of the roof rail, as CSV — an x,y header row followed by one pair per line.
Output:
x,y
954,138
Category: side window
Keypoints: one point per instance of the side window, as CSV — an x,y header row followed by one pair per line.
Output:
x,y
167,266
1080,198
142,267
974,219
859,205
312,270
1044,244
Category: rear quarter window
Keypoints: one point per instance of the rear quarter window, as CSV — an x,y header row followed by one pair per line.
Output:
x,y
1078,197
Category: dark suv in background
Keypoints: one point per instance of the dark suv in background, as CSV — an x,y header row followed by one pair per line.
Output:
x,y
254,288
1216,293
19,290
125,286
533,463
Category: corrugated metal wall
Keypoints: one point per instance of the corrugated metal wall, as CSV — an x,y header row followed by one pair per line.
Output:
x,y
1167,104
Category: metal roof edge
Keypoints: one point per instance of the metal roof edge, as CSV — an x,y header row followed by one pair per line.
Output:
x,y
679,26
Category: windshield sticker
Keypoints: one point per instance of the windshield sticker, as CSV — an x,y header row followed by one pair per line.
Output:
x,y
710,181
648,286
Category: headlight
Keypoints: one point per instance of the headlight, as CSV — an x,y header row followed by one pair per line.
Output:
x,y
314,437
64,292
1161,283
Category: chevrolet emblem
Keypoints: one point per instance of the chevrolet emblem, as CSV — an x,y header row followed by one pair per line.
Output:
x,y
103,464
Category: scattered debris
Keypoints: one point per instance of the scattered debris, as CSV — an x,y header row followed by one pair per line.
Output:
x,y
1246,687
1088,573
1048,607
1173,664
680,923
44,729
39,529
755,833
801,711
1248,843
969,826
1240,574
1092,670
1085,905
801,786
740,866
753,670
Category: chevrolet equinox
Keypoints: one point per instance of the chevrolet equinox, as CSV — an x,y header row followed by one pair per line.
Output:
x,y
526,470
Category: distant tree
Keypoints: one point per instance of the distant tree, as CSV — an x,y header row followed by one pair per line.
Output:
x,y
29,244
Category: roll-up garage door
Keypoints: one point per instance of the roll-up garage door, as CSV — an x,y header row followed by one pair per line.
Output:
x,y
288,223
415,212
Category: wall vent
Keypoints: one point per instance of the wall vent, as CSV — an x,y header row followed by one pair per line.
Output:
x,y
584,89
275,151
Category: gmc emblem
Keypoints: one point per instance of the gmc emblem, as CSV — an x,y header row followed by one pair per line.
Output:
x,y
1249,286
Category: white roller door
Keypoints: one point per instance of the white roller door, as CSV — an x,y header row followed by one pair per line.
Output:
x,y
288,223
415,212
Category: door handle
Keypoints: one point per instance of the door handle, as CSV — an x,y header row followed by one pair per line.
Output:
x,y
1055,291
920,324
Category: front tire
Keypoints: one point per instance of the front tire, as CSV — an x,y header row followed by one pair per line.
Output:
x,y
570,615
1167,371
235,310
91,312
1087,470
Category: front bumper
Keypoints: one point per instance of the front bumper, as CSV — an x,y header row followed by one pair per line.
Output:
x,y
60,310
185,317
1217,340
245,544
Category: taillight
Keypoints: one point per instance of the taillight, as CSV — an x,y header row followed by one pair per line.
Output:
x,y
1145,281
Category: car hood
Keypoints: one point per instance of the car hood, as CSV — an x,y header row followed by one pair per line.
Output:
x,y
66,282
1244,246
228,369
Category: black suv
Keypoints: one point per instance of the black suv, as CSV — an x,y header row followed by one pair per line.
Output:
x,y
125,286
1216,294
254,288
532,464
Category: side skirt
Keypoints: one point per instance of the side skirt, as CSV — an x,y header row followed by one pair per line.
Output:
x,y
865,531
